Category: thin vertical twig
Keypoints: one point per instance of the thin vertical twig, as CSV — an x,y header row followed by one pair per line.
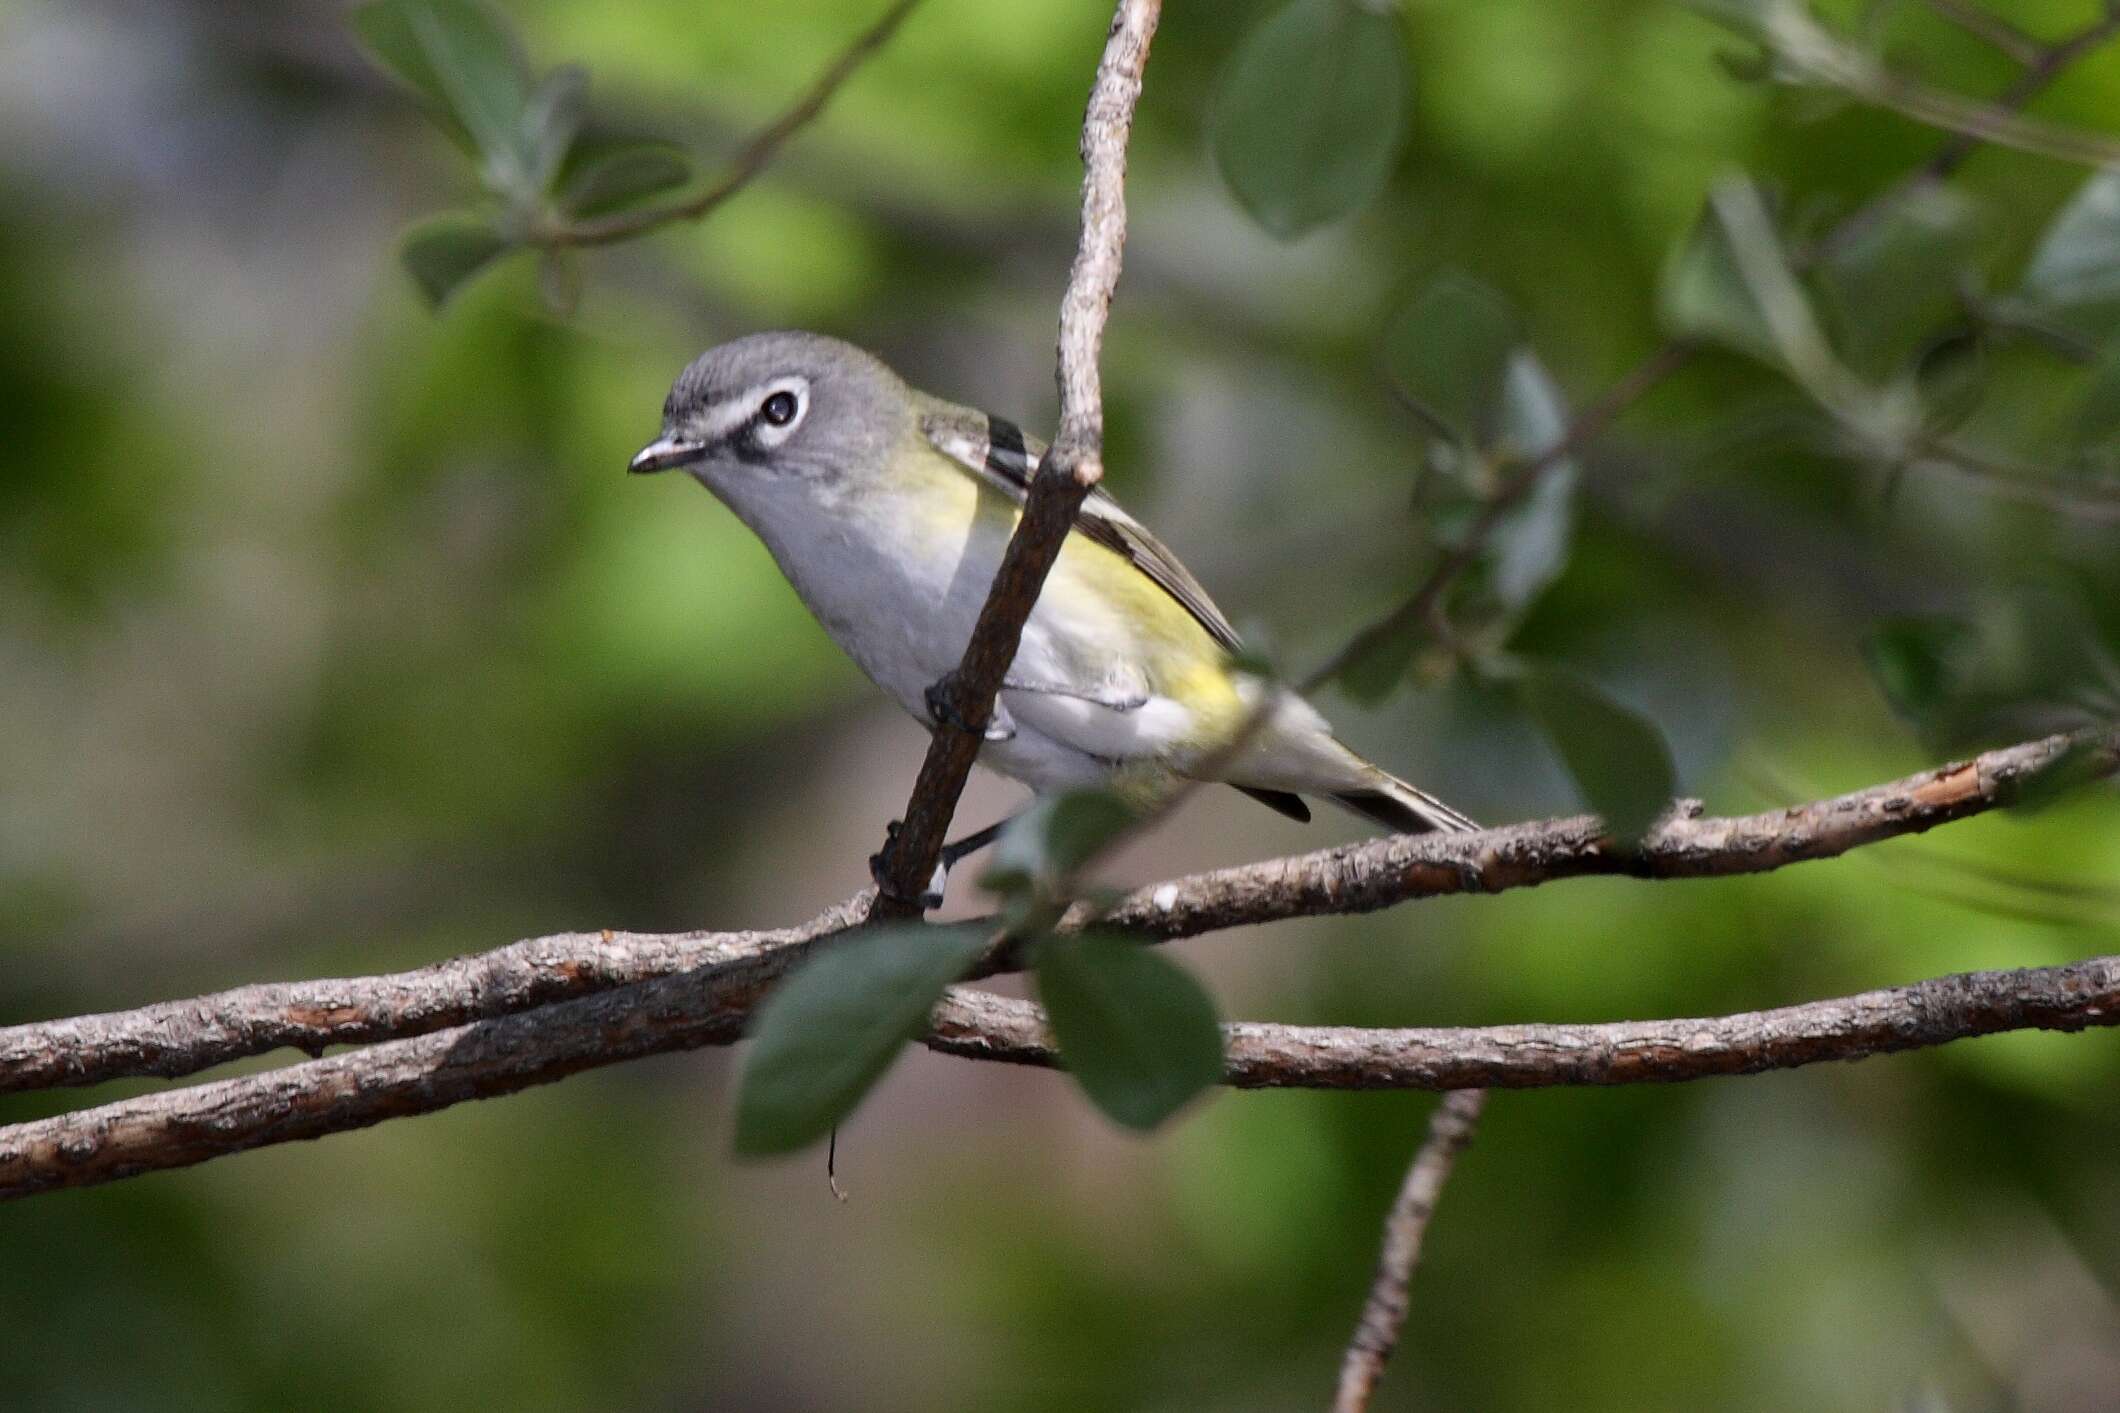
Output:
x,y
1071,469
1376,1334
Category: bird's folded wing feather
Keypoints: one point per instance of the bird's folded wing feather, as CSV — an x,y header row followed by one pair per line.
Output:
x,y
998,452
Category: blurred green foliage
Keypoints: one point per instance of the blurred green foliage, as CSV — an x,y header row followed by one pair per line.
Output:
x,y
334,640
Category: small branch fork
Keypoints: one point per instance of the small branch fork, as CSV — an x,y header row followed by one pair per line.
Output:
x,y
756,156
1072,467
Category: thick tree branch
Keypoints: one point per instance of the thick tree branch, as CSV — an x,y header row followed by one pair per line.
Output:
x,y
1376,1334
1264,1055
177,1038
1072,466
400,1078
700,990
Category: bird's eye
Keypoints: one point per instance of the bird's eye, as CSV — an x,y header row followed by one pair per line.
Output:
x,y
779,409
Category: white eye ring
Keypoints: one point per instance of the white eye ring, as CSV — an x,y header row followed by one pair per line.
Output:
x,y
779,407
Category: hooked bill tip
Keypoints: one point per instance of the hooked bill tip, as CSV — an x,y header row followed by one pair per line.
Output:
x,y
664,453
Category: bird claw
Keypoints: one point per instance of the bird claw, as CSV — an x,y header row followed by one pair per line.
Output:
x,y
943,712
880,871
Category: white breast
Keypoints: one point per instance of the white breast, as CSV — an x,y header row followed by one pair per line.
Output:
x,y
897,578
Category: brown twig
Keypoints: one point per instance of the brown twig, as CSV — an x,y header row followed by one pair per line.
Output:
x,y
1376,1334
1810,48
1377,873
1997,33
1587,426
756,156
1072,466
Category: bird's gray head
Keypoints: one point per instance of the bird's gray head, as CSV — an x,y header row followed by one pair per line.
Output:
x,y
779,404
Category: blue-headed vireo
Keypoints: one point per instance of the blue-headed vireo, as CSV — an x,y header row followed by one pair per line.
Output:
x,y
888,510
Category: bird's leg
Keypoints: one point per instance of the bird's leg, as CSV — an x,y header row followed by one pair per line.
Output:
x,y
879,862
880,868
973,842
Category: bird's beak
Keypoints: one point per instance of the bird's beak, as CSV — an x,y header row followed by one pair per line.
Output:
x,y
664,453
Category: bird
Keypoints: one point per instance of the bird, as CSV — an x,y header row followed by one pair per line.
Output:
x,y
888,510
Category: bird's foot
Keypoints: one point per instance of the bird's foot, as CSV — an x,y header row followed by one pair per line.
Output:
x,y
880,871
942,710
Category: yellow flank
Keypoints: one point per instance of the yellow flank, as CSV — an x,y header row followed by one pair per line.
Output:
x,y
1109,605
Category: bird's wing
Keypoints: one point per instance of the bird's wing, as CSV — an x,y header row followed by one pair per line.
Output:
x,y
998,453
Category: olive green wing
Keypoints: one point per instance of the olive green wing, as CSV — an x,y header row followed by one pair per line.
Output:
x,y
998,452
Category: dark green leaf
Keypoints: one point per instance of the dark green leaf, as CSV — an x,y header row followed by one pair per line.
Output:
x,y
1530,545
2098,415
2025,661
1900,278
1135,1028
828,1032
1308,113
1730,283
444,252
1619,760
461,57
551,120
1747,17
1914,661
619,174
1054,837
1447,350
1951,376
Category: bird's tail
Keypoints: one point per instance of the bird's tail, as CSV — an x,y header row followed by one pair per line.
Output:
x,y
1398,806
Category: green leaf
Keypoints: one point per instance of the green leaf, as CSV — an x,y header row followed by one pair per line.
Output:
x,y
2025,661
828,1032
1951,378
1447,352
1707,291
2098,414
1902,277
1530,545
618,173
460,55
1618,758
445,251
1136,1030
1058,834
1915,660
551,120
2077,262
1308,114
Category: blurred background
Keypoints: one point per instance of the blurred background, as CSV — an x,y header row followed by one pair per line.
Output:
x,y
333,639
